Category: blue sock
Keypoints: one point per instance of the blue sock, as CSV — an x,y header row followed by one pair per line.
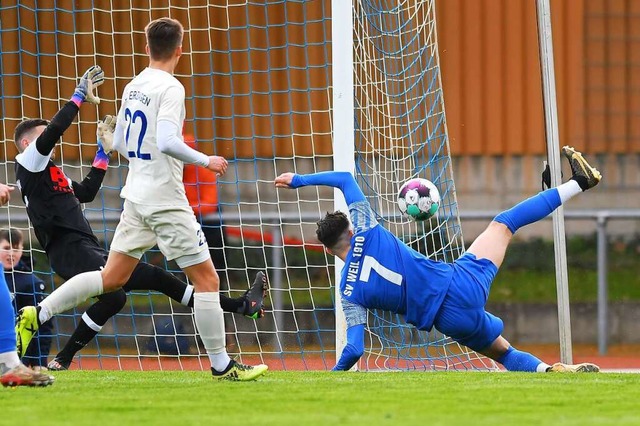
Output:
x,y
7,318
530,210
514,360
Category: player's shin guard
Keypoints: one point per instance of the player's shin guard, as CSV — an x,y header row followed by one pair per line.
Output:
x,y
71,294
515,360
530,210
210,324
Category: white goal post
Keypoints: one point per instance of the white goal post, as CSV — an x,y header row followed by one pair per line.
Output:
x,y
543,8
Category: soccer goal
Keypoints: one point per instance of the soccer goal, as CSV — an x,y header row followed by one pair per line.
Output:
x,y
265,91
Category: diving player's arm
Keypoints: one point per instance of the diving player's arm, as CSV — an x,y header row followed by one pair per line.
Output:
x,y
341,180
353,350
362,216
356,317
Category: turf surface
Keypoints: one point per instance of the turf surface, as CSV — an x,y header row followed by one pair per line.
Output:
x,y
325,398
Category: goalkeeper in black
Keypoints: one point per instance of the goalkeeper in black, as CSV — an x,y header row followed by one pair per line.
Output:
x,y
53,206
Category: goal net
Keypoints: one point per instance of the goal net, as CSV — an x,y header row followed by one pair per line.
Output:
x,y
258,86
401,134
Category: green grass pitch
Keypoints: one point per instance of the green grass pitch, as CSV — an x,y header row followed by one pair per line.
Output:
x,y
325,398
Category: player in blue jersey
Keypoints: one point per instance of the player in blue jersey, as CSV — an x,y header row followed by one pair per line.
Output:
x,y
12,371
381,272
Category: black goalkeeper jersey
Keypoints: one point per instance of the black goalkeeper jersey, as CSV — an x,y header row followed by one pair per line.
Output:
x,y
53,200
52,205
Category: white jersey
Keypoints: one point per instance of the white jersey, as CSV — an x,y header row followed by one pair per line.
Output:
x,y
154,178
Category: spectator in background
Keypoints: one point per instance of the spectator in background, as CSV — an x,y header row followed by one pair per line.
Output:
x,y
26,290
201,187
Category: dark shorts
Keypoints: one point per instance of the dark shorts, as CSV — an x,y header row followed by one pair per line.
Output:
x,y
75,255
461,315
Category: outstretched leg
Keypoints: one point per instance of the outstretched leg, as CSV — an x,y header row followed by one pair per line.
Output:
x,y
148,277
492,243
514,360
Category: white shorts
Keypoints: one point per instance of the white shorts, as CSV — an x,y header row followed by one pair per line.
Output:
x,y
174,228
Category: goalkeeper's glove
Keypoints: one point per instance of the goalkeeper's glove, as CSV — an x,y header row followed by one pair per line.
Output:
x,y
91,79
104,134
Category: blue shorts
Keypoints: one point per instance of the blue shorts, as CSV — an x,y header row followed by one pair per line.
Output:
x,y
461,315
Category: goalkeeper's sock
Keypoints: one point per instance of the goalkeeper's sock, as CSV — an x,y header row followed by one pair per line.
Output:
x,y
71,294
82,335
210,323
515,360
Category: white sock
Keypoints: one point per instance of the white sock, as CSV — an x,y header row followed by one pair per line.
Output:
x,y
71,294
220,361
187,295
542,367
8,360
210,324
568,190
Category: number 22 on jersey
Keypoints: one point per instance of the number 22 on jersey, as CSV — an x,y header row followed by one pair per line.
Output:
x,y
131,119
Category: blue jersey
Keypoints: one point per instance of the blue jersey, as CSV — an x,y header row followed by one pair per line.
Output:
x,y
381,272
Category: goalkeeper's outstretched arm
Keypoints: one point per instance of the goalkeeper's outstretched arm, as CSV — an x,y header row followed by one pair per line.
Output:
x,y
91,79
87,190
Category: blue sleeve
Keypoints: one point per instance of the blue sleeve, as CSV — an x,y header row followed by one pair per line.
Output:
x,y
353,350
342,180
362,216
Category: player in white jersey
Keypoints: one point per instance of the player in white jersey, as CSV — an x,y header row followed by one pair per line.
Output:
x,y
156,209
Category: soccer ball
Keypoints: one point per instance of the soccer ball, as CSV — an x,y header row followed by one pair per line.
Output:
x,y
418,199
